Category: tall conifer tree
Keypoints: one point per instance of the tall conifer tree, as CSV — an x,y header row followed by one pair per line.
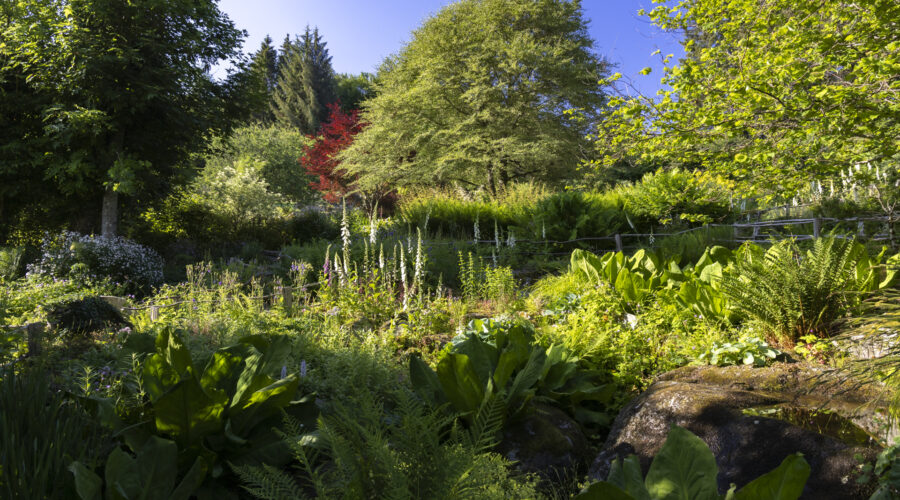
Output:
x,y
305,84
264,69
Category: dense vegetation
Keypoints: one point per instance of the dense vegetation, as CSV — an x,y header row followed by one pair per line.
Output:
x,y
318,285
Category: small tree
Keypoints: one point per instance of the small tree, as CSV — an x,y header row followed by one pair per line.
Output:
x,y
320,159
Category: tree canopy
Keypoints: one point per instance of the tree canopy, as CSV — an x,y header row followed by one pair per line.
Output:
x,y
119,93
479,96
305,84
773,93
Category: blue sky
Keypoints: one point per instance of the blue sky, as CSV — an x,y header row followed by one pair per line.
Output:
x,y
361,33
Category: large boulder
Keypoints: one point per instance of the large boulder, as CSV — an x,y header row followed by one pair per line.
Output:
x,y
545,441
752,418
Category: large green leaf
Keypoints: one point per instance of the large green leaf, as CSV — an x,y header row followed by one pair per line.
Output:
x,y
262,404
684,469
483,357
785,482
424,380
88,485
603,491
123,477
586,264
626,474
460,383
188,413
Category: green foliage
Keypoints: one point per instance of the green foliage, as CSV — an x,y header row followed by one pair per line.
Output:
x,y
501,361
769,120
83,316
123,90
685,469
41,433
352,89
673,196
226,411
477,97
794,294
151,475
25,300
305,83
747,351
11,263
396,449
273,151
886,472
573,214
478,281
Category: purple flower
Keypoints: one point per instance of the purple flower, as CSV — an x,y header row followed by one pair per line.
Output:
x,y
303,368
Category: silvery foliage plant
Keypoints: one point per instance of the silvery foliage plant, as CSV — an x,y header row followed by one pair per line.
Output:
x,y
119,259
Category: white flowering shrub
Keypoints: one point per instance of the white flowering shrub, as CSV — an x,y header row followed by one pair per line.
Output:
x,y
134,266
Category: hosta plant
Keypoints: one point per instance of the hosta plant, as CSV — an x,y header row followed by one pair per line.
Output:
x,y
685,469
748,351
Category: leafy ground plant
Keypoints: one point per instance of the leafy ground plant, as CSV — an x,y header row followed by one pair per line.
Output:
x,y
685,469
748,351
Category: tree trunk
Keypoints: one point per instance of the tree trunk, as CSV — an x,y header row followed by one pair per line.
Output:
x,y
109,215
492,182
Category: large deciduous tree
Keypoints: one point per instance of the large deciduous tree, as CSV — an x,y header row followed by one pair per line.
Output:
x,y
479,97
771,92
122,90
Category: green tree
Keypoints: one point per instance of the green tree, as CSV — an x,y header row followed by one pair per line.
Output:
x,y
771,93
275,150
264,69
122,89
351,90
305,83
479,96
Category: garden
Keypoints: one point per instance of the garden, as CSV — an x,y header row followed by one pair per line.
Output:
x,y
496,279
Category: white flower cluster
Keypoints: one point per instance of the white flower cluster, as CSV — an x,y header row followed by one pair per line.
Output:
x,y
117,258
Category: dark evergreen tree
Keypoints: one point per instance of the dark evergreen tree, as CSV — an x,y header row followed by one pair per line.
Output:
x,y
305,85
264,70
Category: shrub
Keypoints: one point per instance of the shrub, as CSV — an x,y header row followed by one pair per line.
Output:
x,y
83,316
134,266
11,263
673,196
572,214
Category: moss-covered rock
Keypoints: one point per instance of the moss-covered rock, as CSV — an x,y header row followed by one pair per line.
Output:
x,y
545,441
752,418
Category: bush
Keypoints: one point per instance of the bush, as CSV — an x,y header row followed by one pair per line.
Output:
x,y
135,267
573,214
675,196
84,316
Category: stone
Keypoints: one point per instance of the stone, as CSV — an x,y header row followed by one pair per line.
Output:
x,y
546,441
752,418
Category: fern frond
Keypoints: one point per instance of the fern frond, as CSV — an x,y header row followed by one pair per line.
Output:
x,y
267,482
488,424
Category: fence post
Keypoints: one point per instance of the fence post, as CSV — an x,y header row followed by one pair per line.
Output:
x,y
861,229
287,299
755,232
618,242
734,234
154,313
817,227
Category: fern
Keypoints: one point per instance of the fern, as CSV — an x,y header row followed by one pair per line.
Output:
x,y
267,482
793,294
482,436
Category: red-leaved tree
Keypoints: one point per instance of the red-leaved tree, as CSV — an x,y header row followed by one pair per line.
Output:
x,y
320,159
